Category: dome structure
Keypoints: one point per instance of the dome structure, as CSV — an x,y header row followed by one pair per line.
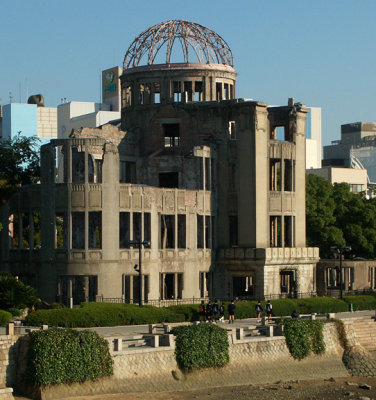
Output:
x,y
194,39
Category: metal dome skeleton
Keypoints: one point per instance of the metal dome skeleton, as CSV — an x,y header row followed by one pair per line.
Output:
x,y
208,46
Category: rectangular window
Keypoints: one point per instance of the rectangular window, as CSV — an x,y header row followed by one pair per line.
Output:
x,y
61,231
232,130
177,91
98,171
171,135
137,226
157,93
198,91
233,230
208,241
147,227
226,91
124,230
275,174
289,175
218,87
168,179
275,231
25,231
127,96
289,231
207,174
188,91
200,231
204,284
95,230
78,230
127,172
38,231
181,231
167,231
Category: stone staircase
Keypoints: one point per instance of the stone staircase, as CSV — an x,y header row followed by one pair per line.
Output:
x,y
364,331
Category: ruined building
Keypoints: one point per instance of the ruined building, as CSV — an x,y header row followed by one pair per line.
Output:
x,y
190,168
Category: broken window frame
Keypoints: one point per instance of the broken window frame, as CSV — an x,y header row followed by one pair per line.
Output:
x,y
124,229
182,231
78,230
232,130
171,134
275,230
167,231
275,174
61,231
95,230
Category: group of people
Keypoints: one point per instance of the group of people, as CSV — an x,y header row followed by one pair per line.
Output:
x,y
268,310
213,312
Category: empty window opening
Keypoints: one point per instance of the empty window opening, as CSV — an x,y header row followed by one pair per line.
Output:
x,y
131,288
204,284
169,179
95,230
289,166
157,93
177,91
200,231
98,170
232,130
281,132
181,231
14,232
147,227
233,230
208,239
80,288
127,172
37,234
141,89
333,277
171,135
147,93
171,286
78,230
289,230
218,89
25,231
275,231
61,231
124,230
287,282
226,91
231,91
90,163
167,231
137,234
242,286
127,96
78,166
275,175
188,93
198,91
208,175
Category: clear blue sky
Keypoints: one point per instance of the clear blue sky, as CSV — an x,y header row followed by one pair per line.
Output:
x,y
322,53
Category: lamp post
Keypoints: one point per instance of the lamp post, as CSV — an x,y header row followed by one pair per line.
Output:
x,y
340,251
138,244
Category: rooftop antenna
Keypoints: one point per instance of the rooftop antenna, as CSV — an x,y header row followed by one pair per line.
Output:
x,y
27,90
10,97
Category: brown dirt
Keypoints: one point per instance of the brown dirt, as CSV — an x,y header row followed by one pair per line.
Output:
x,y
330,389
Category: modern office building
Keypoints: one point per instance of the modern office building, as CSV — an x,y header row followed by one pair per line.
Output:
x,y
193,170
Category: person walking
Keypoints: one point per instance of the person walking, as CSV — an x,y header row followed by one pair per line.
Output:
x,y
215,310
269,310
222,312
231,312
201,311
258,309
209,311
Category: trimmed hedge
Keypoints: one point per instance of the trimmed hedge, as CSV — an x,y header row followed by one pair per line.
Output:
x,y
102,314
201,346
66,355
361,302
304,337
5,317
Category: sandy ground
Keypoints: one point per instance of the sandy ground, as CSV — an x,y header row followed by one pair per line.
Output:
x,y
330,389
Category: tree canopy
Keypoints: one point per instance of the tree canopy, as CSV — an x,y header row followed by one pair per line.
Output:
x,y
19,160
337,217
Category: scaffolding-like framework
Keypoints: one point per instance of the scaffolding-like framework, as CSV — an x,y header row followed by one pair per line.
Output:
x,y
208,46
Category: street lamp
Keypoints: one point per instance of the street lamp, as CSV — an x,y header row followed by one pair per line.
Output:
x,y
340,251
138,244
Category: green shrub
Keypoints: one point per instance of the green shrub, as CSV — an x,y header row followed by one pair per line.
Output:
x,y
15,312
103,314
190,311
57,305
5,317
66,355
321,305
201,346
15,294
361,302
304,336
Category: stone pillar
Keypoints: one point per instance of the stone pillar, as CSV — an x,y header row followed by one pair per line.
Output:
x,y
131,300
175,286
86,287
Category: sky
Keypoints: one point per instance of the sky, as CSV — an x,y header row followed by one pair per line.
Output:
x,y
322,53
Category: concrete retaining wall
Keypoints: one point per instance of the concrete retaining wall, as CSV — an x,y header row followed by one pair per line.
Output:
x,y
259,360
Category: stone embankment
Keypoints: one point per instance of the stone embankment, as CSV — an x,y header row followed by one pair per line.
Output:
x,y
257,356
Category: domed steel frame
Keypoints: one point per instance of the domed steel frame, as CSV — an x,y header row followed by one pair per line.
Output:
x,y
208,46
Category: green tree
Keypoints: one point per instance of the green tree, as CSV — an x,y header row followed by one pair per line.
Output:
x,y
14,293
19,160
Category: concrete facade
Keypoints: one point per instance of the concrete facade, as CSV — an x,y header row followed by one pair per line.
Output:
x,y
195,171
